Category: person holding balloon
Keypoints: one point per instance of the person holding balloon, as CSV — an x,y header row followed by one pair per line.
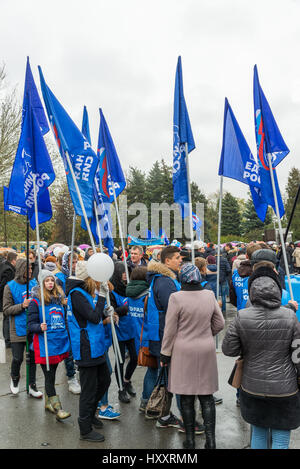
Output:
x,y
85,314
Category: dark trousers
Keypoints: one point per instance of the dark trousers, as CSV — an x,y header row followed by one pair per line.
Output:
x,y
131,365
94,381
17,349
50,379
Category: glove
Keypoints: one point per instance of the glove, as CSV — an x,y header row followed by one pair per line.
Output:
x,y
109,311
104,290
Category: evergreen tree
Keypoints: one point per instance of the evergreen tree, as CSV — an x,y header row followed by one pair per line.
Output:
x,y
251,222
291,190
231,217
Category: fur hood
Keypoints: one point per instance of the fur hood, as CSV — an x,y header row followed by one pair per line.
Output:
x,y
155,267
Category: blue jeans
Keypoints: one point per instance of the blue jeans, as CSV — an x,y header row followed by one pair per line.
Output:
x,y
259,440
69,364
104,400
224,290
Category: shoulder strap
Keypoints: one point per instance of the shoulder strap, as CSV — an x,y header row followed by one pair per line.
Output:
x,y
145,309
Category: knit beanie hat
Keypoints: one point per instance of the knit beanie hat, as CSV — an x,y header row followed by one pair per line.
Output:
x,y
211,259
44,273
50,266
81,270
264,255
190,274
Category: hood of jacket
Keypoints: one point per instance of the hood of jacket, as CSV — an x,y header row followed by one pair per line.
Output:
x,y
20,272
136,288
212,268
158,268
265,288
245,268
73,282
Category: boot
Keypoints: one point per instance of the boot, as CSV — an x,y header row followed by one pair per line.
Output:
x,y
209,418
48,405
60,414
123,396
188,416
129,388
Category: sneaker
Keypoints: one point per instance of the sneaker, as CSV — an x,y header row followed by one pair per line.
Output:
x,y
33,391
123,396
129,389
14,385
108,414
74,386
218,400
93,436
172,421
143,405
199,429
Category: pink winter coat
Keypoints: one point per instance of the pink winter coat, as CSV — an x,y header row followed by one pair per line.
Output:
x,y
193,319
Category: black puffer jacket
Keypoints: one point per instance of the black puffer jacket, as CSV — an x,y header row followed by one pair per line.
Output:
x,y
264,335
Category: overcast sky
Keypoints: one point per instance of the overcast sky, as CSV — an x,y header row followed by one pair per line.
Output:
x,y
121,55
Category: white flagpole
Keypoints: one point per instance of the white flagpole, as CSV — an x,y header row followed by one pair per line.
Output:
x,y
40,267
98,226
72,242
219,245
280,226
190,201
121,232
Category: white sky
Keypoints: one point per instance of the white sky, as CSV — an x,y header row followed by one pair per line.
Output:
x,y
121,55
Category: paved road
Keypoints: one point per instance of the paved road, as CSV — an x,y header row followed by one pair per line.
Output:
x,y
25,424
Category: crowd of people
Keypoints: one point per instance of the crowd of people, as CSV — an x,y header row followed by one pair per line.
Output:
x,y
171,306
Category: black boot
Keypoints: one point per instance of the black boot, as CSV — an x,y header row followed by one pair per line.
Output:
x,y
188,416
209,417
123,396
129,388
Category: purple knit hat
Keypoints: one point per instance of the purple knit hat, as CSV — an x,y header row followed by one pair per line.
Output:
x,y
189,273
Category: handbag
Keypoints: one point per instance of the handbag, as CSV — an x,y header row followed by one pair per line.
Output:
x,y
159,401
144,356
235,378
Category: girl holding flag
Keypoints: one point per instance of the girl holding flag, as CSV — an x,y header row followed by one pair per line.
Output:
x,y
57,336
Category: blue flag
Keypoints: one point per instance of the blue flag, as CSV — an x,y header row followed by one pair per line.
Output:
x,y
110,167
12,208
262,118
86,126
32,158
182,134
69,139
197,223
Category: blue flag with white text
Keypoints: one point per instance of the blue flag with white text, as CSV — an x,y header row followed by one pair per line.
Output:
x,y
182,134
265,145
70,140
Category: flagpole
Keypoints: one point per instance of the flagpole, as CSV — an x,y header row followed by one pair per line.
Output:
x,y
98,226
280,227
40,267
120,231
190,201
27,296
219,245
72,242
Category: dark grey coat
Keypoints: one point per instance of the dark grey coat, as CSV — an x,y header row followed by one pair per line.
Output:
x,y
263,334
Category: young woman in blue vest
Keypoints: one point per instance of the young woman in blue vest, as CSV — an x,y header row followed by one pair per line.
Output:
x,y
57,336
85,313
137,293
125,332
15,304
61,278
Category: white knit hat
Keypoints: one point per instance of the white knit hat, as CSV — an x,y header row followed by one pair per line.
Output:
x,y
81,270
44,273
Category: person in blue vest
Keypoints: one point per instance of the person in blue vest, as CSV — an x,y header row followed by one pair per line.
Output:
x,y
125,332
57,336
61,278
85,314
15,304
137,293
163,280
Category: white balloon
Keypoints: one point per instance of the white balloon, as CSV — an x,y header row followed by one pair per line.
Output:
x,y
100,267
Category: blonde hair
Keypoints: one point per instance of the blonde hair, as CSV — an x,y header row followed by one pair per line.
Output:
x,y
56,292
200,262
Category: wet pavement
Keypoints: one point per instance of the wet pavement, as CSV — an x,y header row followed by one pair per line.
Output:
x,y
26,425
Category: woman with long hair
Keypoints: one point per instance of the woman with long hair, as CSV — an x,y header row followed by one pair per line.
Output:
x,y
57,336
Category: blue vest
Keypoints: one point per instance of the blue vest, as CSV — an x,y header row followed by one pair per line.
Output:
x,y
153,312
19,293
136,311
57,335
62,277
125,329
95,332
241,289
